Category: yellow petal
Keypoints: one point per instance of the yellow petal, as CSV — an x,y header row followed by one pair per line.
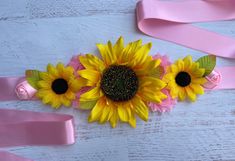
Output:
x,y
97,110
149,96
111,112
105,114
44,84
87,105
199,72
90,61
191,95
130,50
132,120
65,101
114,119
149,69
84,82
180,64
152,82
199,80
74,85
91,75
198,89
168,77
122,113
56,103
182,94
47,98
140,108
42,92
188,61
68,73
106,54
70,95
141,55
60,67
45,76
92,94
52,70
118,49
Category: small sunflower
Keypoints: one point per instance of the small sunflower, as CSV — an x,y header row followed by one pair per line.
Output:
x,y
58,86
184,79
123,82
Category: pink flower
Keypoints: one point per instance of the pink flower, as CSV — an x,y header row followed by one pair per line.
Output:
x,y
25,91
76,64
213,80
164,62
165,106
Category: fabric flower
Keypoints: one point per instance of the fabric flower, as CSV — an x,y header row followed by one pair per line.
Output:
x,y
25,91
184,79
76,64
122,83
213,80
164,62
166,104
58,85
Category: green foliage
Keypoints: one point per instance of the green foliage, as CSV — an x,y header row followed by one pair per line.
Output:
x,y
208,63
33,76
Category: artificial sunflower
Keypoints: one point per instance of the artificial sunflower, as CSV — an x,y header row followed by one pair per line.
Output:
x,y
58,86
185,78
123,82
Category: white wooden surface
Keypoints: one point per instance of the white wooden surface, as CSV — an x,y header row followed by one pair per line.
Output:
x,y
36,32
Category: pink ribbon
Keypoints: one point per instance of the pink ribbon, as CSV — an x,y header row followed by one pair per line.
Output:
x,y
33,128
171,21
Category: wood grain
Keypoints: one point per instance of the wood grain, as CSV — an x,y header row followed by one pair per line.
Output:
x,y
36,32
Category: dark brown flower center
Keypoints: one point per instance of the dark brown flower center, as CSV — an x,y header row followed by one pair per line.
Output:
x,y
119,83
59,86
183,79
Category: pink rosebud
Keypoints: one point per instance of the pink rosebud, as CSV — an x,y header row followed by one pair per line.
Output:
x,y
166,104
25,91
213,80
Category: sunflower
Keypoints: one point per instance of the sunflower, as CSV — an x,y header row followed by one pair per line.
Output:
x,y
58,86
184,79
123,82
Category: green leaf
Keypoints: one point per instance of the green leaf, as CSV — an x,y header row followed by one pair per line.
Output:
x,y
208,63
87,105
33,76
158,72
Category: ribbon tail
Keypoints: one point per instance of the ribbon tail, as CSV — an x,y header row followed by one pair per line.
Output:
x,y
7,156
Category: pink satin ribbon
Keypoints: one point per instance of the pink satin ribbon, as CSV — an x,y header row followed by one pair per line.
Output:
x,y
19,128
8,86
171,21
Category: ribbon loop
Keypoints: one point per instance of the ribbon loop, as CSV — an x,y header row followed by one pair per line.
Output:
x,y
170,21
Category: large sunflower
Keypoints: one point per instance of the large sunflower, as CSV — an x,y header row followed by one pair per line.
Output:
x,y
123,83
185,78
58,85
